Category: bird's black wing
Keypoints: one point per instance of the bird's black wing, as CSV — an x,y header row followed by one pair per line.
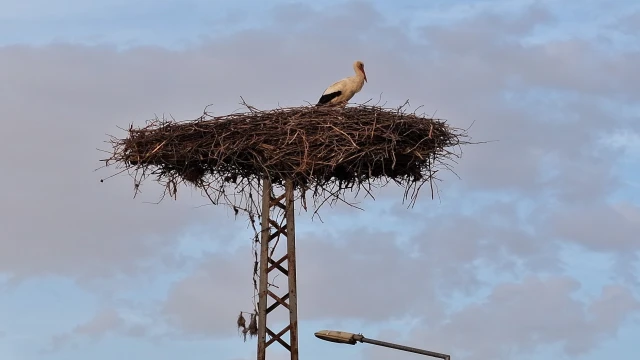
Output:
x,y
324,99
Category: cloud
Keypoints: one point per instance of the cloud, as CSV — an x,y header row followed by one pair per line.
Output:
x,y
546,180
107,321
65,98
114,321
102,323
59,218
601,229
208,301
628,24
518,317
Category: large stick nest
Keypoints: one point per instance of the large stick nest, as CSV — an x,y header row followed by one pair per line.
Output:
x,y
326,150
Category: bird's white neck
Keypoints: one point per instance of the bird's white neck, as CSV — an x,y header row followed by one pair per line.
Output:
x,y
358,80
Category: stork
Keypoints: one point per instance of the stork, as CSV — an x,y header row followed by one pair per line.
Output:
x,y
340,92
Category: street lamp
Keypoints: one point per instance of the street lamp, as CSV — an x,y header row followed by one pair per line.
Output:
x,y
342,337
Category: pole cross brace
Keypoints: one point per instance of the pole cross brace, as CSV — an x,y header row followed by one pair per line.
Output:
x,y
272,229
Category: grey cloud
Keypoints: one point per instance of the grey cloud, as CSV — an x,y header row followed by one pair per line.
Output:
x,y
58,105
337,280
59,101
104,322
527,141
208,301
602,228
502,235
107,321
364,275
495,26
453,245
517,317
559,64
628,24
65,98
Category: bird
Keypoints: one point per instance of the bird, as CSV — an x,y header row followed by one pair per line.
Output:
x,y
340,92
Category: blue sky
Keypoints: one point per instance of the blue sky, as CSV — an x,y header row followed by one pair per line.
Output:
x,y
542,224
174,24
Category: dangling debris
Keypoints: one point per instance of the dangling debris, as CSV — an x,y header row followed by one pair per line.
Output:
x,y
241,321
253,325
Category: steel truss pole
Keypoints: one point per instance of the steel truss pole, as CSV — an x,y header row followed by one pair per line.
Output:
x,y
272,229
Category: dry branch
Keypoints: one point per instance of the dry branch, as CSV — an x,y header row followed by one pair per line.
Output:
x,y
326,150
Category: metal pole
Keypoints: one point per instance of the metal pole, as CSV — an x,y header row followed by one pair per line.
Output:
x,y
291,267
402,347
272,229
264,255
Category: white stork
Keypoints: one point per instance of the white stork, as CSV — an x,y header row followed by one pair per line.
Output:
x,y
340,92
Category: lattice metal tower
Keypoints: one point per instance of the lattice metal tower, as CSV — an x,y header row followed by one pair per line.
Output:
x,y
277,220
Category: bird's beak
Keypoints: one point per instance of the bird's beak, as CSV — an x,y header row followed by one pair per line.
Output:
x,y
365,75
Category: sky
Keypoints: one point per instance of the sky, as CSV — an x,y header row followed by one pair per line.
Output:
x,y
530,250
